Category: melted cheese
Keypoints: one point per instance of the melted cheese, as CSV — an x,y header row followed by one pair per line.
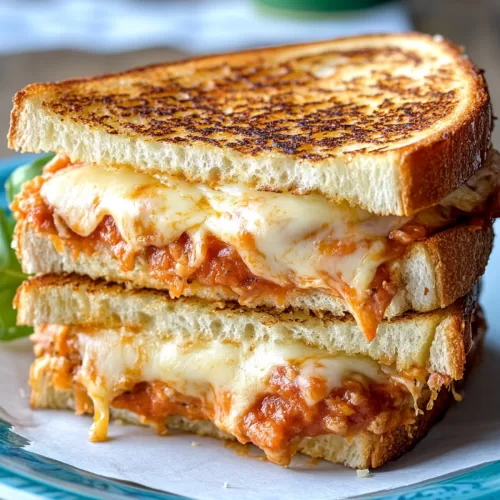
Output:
x,y
114,361
477,189
277,235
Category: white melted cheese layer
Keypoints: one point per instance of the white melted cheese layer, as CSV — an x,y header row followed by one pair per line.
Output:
x,y
114,361
285,229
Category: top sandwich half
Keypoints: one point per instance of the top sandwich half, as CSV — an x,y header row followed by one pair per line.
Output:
x,y
391,124
351,169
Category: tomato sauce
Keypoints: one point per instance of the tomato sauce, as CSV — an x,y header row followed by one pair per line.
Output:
x,y
282,416
221,265
156,401
276,421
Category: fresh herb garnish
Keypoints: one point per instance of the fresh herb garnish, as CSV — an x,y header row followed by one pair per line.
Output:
x,y
25,173
11,275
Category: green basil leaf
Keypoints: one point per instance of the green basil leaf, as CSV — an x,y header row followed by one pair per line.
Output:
x,y
11,276
9,266
25,173
5,241
8,328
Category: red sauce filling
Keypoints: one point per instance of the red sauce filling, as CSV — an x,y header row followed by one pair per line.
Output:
x,y
278,420
222,265
275,422
156,401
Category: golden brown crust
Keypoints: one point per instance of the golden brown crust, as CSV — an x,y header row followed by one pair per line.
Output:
x,y
458,332
394,444
18,103
434,167
271,102
462,332
95,288
459,256
458,338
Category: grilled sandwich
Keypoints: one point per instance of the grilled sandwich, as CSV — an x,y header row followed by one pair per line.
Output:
x,y
290,231
284,382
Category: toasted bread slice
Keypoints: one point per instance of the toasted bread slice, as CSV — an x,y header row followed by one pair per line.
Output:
x,y
428,271
363,450
437,341
391,123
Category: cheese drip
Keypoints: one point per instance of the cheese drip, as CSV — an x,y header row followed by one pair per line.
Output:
x,y
113,361
304,241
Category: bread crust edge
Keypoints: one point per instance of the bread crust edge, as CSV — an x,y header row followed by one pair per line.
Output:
x,y
461,251
427,170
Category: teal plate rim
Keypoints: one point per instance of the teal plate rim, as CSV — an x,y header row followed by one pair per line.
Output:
x,y
50,479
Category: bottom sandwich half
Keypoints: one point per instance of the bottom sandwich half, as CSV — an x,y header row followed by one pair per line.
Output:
x,y
287,382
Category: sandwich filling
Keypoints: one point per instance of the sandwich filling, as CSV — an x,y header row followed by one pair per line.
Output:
x,y
254,243
267,393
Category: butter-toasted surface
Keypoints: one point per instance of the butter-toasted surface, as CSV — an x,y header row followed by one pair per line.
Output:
x,y
392,123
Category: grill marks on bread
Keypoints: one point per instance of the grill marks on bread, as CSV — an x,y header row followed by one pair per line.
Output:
x,y
389,123
312,106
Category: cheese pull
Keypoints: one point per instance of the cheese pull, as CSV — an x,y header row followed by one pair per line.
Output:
x,y
229,378
304,241
99,429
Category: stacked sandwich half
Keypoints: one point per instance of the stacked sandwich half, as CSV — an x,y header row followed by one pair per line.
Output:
x,y
278,246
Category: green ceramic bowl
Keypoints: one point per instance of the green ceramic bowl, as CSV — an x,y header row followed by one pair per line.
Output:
x,y
317,5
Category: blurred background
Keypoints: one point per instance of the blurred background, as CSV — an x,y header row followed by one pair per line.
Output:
x,y
57,39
